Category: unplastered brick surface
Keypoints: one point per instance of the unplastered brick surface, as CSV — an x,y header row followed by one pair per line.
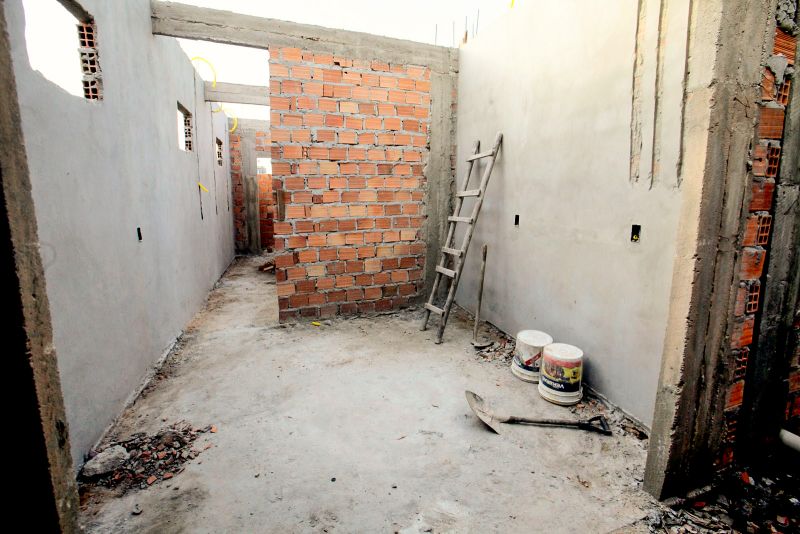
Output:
x,y
266,208
349,148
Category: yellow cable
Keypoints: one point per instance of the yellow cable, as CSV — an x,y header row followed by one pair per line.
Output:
x,y
235,119
202,187
213,70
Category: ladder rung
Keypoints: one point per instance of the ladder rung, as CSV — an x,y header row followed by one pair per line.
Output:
x,y
445,271
467,220
481,155
469,193
453,251
434,309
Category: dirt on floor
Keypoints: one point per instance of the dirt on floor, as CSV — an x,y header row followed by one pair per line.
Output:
x,y
361,425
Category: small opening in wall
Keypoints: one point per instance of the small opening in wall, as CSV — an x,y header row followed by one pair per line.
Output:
x,y
90,62
516,220
763,228
773,160
636,233
740,363
753,294
184,128
219,152
784,92
139,232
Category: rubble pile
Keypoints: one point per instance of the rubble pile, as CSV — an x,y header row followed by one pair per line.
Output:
x,y
143,459
502,348
739,502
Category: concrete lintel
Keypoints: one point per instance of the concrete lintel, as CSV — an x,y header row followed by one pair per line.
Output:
x,y
254,125
191,22
237,93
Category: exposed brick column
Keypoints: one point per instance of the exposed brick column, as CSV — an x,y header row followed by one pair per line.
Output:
x,y
266,207
237,187
754,246
350,141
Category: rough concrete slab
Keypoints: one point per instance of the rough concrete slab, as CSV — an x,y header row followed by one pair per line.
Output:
x,y
374,404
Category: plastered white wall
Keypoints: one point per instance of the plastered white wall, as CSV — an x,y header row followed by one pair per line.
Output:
x,y
101,169
555,76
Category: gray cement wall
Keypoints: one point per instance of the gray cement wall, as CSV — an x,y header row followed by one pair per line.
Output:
x,y
556,79
98,171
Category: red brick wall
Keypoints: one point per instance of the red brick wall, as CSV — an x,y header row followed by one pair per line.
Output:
x,y
237,186
754,245
266,202
349,145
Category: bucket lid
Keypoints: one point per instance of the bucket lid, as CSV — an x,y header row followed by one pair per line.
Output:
x,y
534,338
563,351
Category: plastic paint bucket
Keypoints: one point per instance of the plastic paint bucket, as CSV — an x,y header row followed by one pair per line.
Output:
x,y
528,354
561,374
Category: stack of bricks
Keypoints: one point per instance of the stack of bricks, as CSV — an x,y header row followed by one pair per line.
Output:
x,y
350,142
266,201
766,156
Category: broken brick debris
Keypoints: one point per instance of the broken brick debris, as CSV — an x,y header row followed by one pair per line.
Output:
x,y
738,501
148,458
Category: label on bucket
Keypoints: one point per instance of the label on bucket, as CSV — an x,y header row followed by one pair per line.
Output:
x,y
561,375
533,362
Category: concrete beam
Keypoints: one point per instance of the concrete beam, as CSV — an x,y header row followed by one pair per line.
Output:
x,y
255,125
237,93
191,22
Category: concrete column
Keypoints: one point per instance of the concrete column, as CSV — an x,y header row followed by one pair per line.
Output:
x,y
726,48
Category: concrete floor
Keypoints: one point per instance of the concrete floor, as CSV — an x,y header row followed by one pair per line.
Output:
x,y
374,404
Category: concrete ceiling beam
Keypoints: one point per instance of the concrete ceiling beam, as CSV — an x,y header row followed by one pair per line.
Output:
x,y
237,93
226,27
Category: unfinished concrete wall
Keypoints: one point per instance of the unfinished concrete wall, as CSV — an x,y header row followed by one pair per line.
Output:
x,y
570,267
728,43
100,170
350,145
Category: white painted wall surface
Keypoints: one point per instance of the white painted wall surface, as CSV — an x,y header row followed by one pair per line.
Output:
x,y
100,170
556,79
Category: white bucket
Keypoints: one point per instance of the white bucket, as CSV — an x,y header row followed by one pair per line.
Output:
x,y
528,354
561,374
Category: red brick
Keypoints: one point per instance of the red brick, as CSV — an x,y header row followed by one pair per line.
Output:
x,y
770,125
312,88
785,44
285,289
373,293
762,195
336,296
735,395
383,305
307,256
752,263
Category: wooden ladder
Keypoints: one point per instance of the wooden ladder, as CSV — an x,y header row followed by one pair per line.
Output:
x,y
458,255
